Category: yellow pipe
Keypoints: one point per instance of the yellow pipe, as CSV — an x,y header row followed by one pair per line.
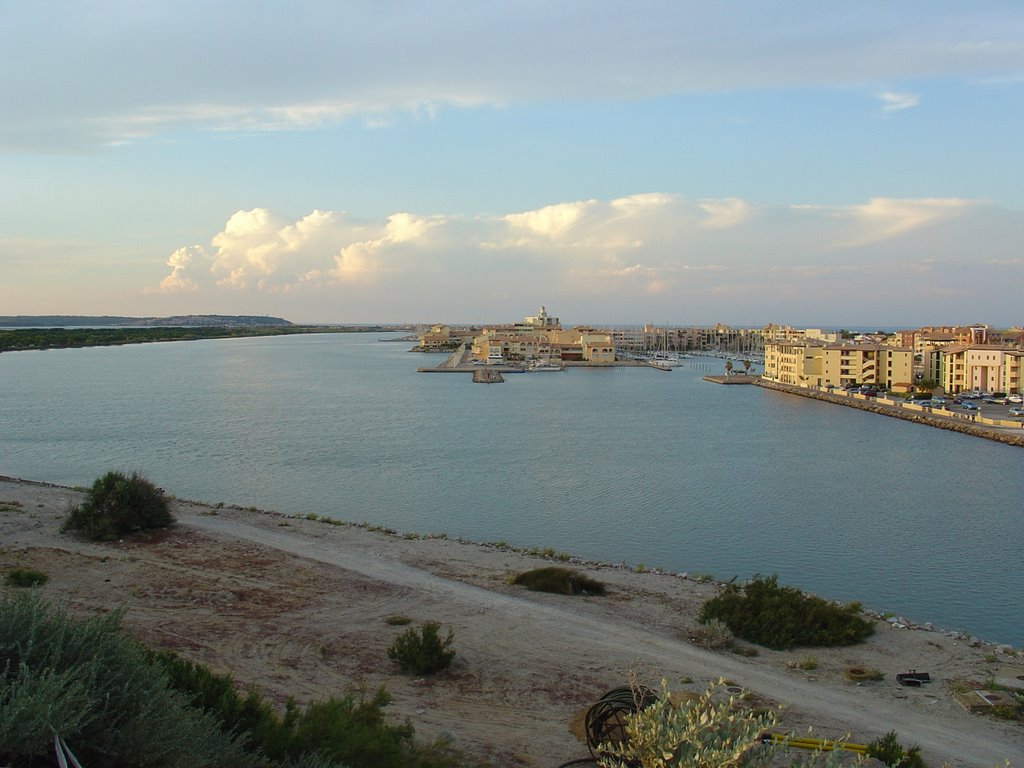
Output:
x,y
817,745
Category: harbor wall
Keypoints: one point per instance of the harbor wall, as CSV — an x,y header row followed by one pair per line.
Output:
x,y
1003,431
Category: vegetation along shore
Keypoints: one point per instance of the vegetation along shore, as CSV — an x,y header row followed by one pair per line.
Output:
x,y
305,608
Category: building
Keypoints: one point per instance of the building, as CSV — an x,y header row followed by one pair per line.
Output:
x,y
981,367
816,364
541,337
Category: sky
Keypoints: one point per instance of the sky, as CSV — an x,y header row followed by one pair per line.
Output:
x,y
812,162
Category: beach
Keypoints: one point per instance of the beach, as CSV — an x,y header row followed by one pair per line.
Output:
x,y
298,607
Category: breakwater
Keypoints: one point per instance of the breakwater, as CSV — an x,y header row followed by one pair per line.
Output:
x,y
897,411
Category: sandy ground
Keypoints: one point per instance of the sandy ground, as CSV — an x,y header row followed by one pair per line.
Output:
x,y
298,607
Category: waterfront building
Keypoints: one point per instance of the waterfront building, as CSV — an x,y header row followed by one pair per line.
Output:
x,y
440,337
981,367
812,363
541,337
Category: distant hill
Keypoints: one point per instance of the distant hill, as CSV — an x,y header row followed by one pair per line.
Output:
x,y
176,321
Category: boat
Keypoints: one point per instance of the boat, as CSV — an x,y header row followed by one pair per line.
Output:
x,y
544,365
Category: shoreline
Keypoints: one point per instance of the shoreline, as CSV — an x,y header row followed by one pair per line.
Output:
x,y
553,557
298,607
996,434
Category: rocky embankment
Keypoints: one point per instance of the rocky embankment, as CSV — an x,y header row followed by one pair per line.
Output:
x,y
967,428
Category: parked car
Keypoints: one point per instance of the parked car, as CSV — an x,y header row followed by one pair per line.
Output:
x,y
1015,398
1016,411
969,406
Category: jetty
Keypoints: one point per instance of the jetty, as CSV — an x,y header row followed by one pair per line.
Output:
x,y
739,378
487,376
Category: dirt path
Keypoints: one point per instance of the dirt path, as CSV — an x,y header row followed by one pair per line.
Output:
x,y
297,607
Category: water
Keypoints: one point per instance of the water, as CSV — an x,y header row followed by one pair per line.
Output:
x,y
631,465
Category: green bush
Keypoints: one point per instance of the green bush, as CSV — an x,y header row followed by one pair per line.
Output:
x,y
559,581
784,617
422,653
349,731
117,704
25,577
709,732
95,687
888,750
118,504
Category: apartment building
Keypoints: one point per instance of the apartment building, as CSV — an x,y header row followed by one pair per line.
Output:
x,y
983,367
815,364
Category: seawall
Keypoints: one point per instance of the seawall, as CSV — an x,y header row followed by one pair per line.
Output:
x,y
898,412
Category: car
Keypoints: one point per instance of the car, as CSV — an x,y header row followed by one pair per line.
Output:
x,y
1016,411
968,406
1015,398
938,401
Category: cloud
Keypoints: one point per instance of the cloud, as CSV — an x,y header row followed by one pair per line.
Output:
x,y
729,212
650,247
184,263
884,218
309,64
897,102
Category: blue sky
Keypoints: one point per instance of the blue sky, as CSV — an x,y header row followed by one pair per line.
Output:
x,y
814,163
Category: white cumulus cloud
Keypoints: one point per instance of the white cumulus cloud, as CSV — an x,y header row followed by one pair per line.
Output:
x,y
633,250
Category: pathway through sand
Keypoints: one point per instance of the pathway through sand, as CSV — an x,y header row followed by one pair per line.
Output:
x,y
298,606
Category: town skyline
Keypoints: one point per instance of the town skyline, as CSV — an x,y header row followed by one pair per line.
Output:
x,y
808,164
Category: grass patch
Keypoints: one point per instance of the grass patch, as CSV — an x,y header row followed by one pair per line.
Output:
x,y
25,577
398,621
10,506
558,581
779,617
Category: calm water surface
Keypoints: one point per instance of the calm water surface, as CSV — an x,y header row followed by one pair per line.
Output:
x,y
628,465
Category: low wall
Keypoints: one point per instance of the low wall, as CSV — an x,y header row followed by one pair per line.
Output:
x,y
954,422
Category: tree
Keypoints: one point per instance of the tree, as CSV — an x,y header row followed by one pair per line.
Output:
x,y
728,367
746,366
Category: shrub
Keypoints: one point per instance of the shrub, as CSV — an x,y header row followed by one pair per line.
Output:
x,y
889,750
118,504
422,653
25,577
708,732
348,731
89,683
784,617
808,663
715,635
559,581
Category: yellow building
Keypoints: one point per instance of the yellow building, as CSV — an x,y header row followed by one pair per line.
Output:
x,y
541,337
980,367
810,364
